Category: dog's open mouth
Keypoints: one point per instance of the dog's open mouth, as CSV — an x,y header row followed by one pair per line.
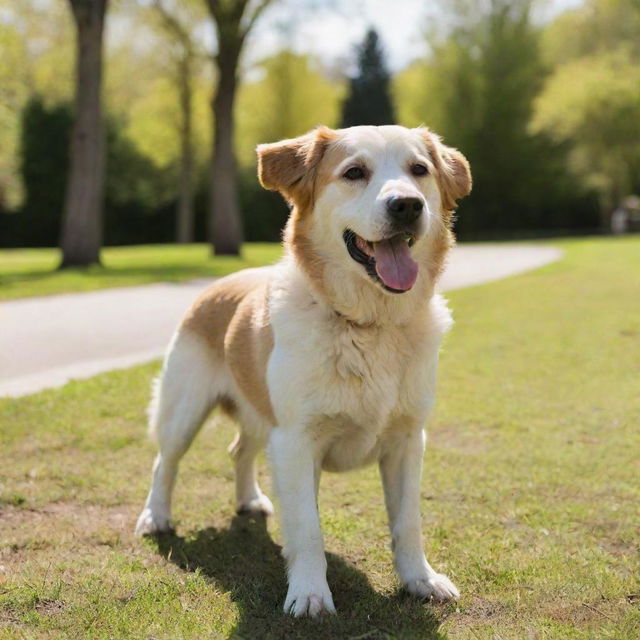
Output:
x,y
387,261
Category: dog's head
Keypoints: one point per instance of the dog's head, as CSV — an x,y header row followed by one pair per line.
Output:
x,y
373,203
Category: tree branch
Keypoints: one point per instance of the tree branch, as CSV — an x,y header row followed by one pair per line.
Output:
x,y
173,24
262,5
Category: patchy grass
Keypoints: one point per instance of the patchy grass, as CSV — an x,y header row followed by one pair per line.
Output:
x,y
530,493
33,272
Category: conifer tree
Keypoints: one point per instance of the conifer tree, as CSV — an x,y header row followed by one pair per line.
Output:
x,y
369,101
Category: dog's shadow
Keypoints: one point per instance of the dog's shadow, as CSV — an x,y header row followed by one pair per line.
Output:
x,y
244,561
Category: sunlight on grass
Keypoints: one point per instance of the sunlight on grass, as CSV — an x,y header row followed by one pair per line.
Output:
x,y
32,272
530,493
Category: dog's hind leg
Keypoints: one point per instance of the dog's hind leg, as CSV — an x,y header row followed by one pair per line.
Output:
x,y
185,394
243,450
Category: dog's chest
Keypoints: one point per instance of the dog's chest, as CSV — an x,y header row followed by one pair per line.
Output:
x,y
363,368
360,385
351,386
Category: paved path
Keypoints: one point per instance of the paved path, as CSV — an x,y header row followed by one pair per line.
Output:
x,y
44,342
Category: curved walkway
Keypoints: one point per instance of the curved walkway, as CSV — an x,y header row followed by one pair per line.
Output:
x,y
45,342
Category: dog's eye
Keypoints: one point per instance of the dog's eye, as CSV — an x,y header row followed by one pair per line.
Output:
x,y
419,170
355,173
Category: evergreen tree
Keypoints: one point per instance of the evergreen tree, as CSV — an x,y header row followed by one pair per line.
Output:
x,y
369,99
44,166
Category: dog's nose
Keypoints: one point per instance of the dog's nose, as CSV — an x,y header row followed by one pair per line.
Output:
x,y
404,210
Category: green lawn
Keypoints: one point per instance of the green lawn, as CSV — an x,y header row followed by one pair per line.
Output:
x,y
32,272
531,491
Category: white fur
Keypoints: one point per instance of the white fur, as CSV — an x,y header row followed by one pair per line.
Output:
x,y
351,382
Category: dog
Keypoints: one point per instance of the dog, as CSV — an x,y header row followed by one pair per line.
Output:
x,y
329,357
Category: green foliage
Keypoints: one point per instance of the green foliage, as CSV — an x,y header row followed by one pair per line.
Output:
x,y
44,163
591,101
264,212
12,96
547,114
593,28
478,91
36,58
291,96
369,99
137,195
594,102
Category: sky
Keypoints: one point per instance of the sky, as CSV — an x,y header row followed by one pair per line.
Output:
x,y
331,34
331,31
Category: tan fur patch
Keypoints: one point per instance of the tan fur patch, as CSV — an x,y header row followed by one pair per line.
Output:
x,y
289,166
248,345
296,238
440,247
232,317
452,170
300,169
297,233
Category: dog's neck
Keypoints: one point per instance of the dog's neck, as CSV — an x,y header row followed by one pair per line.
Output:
x,y
356,301
360,301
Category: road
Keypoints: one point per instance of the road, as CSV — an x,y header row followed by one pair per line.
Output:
x,y
47,341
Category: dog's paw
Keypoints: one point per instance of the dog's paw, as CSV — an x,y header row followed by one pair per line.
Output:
x,y
258,506
150,524
436,587
309,601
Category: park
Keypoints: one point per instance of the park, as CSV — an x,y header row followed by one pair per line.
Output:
x,y
530,488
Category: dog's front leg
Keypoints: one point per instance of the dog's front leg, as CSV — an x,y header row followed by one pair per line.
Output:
x,y
296,474
401,471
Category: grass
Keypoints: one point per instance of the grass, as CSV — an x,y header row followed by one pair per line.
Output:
x,y
530,494
32,272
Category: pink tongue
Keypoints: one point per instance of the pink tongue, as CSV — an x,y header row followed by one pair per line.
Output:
x,y
394,264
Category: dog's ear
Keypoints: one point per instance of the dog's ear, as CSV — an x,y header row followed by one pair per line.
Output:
x,y
452,170
289,166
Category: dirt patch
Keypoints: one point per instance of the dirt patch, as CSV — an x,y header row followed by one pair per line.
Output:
x,y
65,526
587,613
49,607
481,609
90,516
7,617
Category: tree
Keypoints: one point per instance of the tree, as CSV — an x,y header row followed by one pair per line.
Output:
x,y
369,99
478,91
591,101
594,104
81,236
184,61
294,95
233,21
592,28
36,59
44,160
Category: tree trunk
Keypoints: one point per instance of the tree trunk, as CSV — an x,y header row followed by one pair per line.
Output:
x,y
225,226
184,221
81,236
